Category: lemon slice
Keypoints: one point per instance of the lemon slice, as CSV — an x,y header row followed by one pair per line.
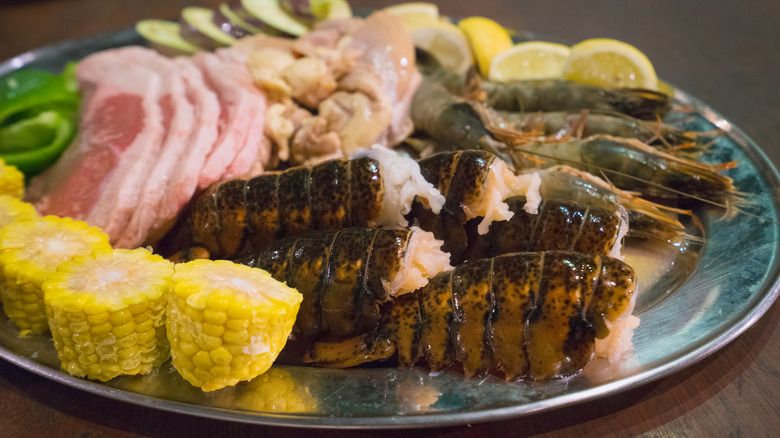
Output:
x,y
416,14
446,43
530,60
610,64
486,39
665,88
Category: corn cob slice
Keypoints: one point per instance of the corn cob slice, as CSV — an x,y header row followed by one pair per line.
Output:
x,y
227,322
14,209
29,253
11,180
106,313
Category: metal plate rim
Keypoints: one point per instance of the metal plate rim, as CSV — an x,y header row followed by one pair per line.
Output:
x,y
749,316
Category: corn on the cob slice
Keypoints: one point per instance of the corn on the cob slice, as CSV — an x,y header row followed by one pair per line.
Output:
x,y
227,322
14,210
29,253
106,313
11,180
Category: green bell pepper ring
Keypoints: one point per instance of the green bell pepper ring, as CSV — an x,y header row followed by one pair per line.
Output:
x,y
32,91
37,113
52,131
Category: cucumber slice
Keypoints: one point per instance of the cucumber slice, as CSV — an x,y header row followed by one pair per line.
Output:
x,y
236,20
272,14
164,36
338,9
197,27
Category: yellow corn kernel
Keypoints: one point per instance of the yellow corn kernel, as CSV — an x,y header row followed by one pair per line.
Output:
x,y
220,356
30,252
213,330
13,210
214,317
227,322
99,298
11,180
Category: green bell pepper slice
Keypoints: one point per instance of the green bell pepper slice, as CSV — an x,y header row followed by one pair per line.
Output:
x,y
35,143
37,113
31,91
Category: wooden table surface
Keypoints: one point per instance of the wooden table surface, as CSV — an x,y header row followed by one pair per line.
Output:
x,y
725,53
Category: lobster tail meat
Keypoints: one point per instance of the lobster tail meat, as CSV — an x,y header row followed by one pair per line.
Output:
x,y
474,185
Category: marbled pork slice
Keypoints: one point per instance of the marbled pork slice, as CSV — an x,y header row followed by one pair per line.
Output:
x,y
179,118
99,177
255,151
184,180
239,104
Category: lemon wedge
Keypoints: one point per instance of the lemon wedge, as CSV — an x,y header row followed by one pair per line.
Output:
x,y
486,39
446,43
611,64
416,14
529,60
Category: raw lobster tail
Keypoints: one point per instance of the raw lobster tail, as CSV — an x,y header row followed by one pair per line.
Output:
x,y
345,275
537,315
245,215
558,225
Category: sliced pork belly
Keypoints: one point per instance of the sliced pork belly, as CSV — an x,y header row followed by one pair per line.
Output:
x,y
153,130
184,180
242,116
100,176
178,123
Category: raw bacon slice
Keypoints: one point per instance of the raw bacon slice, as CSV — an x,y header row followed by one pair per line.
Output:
x,y
100,176
178,124
184,180
242,111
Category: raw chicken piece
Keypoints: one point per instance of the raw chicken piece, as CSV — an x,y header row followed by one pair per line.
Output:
x,y
356,75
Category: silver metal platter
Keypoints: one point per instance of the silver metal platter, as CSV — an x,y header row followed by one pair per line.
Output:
x,y
691,304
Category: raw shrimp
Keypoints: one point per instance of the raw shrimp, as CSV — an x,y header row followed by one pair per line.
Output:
x,y
578,124
548,94
555,95
345,275
537,315
630,165
627,163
